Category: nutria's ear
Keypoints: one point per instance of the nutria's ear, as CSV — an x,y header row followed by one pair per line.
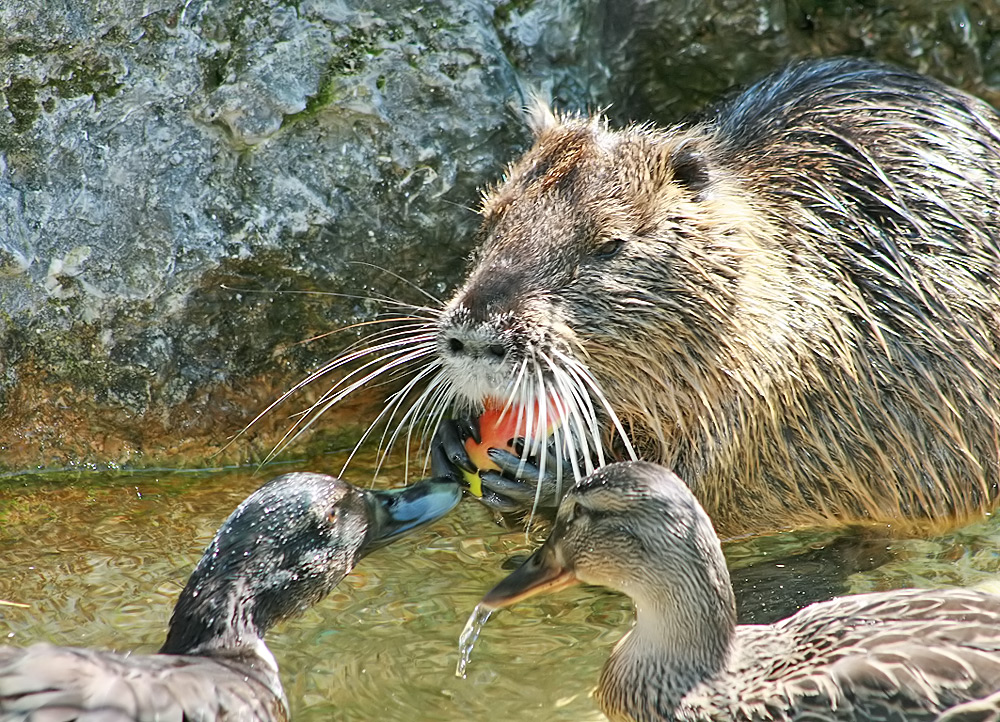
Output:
x,y
689,167
538,114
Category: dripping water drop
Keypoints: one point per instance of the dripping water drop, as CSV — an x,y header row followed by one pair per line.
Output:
x,y
467,640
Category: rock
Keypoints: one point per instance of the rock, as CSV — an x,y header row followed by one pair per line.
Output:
x,y
672,58
191,190
179,184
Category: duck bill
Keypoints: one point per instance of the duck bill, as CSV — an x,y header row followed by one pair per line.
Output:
x,y
543,571
393,513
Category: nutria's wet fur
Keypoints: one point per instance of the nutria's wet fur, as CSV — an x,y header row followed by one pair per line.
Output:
x,y
792,301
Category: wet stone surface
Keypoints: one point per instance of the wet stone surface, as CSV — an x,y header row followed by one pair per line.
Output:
x,y
174,174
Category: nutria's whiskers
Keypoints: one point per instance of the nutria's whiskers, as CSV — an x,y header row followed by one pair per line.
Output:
x,y
583,389
581,420
392,404
407,353
394,355
388,355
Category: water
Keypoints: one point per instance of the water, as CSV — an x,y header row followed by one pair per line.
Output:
x,y
467,639
98,560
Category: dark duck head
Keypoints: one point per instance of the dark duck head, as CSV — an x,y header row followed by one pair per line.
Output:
x,y
281,551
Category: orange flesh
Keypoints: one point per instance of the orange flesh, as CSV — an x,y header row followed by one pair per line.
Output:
x,y
498,430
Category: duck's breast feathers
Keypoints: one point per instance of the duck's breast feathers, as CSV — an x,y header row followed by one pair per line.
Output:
x,y
71,684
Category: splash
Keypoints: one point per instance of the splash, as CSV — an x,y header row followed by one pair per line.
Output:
x,y
467,640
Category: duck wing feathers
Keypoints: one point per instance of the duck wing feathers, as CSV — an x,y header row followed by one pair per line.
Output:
x,y
60,684
904,655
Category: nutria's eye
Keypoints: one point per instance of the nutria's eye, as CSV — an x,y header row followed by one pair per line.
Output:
x,y
608,249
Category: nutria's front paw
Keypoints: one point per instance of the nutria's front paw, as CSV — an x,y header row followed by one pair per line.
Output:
x,y
521,484
449,457
508,483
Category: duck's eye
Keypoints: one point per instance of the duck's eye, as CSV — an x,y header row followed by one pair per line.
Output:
x,y
609,249
570,515
575,512
333,515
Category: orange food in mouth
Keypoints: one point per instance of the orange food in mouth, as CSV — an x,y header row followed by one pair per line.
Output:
x,y
499,428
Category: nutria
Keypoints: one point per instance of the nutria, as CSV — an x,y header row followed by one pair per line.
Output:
x,y
791,300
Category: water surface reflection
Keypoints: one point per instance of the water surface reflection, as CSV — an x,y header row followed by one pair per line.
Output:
x,y
99,560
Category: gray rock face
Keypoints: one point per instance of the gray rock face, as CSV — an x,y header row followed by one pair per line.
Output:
x,y
671,58
191,189
170,173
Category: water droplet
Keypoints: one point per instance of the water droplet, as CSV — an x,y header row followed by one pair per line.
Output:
x,y
467,639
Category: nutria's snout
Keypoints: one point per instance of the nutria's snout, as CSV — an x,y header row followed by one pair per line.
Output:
x,y
474,342
479,325
476,353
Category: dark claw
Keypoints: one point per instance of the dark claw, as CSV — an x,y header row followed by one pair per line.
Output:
x,y
519,484
469,427
448,454
441,465
498,502
519,479
512,465
515,490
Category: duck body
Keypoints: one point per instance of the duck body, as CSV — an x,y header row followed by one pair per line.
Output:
x,y
906,656
281,551
71,683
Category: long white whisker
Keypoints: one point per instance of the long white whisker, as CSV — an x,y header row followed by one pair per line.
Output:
x,y
398,277
380,298
516,391
387,338
560,429
584,375
568,398
333,365
526,415
403,356
532,431
392,404
587,416
437,407
396,355
570,420
444,398
426,400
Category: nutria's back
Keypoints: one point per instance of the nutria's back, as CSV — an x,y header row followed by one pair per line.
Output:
x,y
793,301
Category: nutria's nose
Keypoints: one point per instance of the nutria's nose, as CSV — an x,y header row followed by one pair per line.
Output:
x,y
494,294
459,344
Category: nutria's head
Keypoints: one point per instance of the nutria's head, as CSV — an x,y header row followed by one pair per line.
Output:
x,y
608,267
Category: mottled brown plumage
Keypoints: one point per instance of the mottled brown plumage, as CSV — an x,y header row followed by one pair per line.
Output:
x,y
282,550
635,527
66,683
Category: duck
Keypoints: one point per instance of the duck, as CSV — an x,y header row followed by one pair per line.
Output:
x,y
636,528
281,551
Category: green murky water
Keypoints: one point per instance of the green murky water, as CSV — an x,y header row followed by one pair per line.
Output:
x,y
99,560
